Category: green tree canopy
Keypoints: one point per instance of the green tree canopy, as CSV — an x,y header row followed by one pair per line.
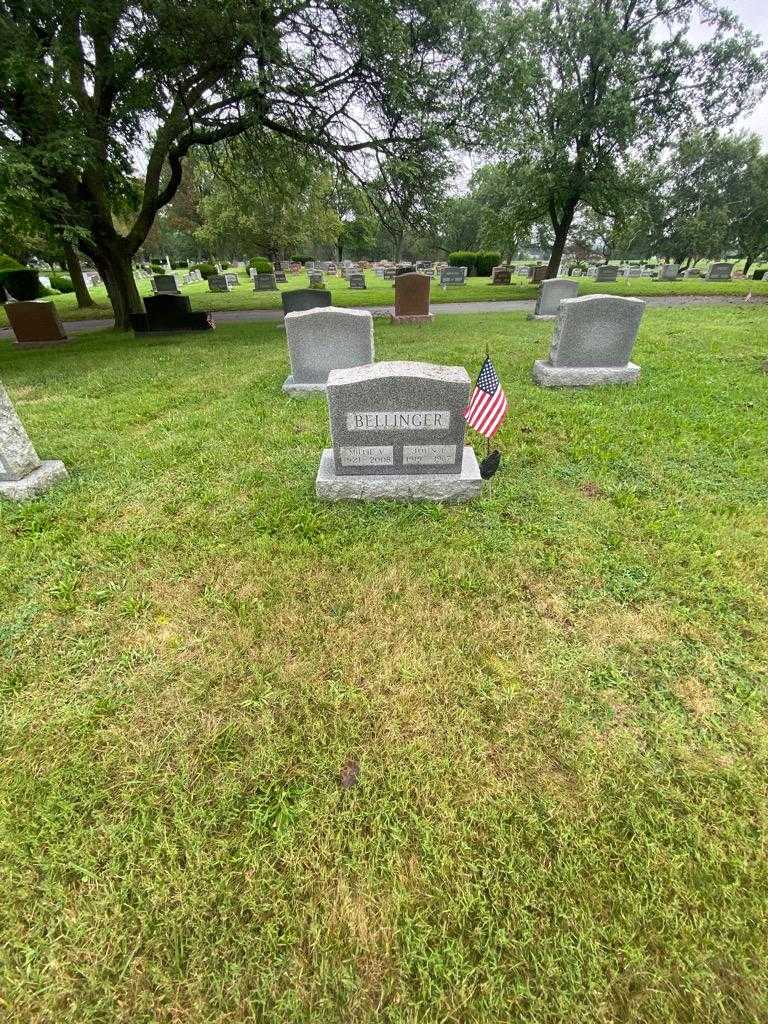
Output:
x,y
578,88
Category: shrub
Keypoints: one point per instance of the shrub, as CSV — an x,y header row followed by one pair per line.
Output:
x,y
463,259
206,270
485,262
62,283
9,263
158,268
23,284
478,264
261,265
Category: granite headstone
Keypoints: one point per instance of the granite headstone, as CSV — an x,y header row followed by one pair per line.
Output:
x,y
321,340
22,473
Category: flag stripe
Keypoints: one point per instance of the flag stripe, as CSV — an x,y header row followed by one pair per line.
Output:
x,y
488,404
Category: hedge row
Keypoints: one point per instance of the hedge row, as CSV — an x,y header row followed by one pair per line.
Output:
x,y
478,264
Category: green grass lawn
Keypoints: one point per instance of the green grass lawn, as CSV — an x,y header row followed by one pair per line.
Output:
x,y
556,695
380,293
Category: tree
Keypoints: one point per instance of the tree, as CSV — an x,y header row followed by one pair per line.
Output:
x,y
89,90
265,196
710,200
407,195
580,87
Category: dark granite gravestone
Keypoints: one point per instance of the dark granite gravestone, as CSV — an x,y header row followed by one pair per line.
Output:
x,y
264,283
398,431
280,277
35,324
298,299
453,276
412,299
538,274
218,283
167,283
356,281
501,275
166,314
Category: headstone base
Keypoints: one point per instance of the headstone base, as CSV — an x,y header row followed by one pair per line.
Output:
x,y
35,483
427,318
429,487
542,316
548,376
290,387
42,344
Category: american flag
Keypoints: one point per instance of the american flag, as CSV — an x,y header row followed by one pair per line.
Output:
x,y
488,404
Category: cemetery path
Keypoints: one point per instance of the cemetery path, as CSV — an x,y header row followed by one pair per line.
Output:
x,y
438,308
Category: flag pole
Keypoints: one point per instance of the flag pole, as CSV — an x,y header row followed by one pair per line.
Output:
x,y
488,440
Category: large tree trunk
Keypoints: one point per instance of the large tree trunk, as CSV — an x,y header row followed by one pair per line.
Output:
x,y
561,227
76,274
747,264
117,272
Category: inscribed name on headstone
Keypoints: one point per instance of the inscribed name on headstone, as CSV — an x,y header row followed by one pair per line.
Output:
x,y
321,340
452,276
720,272
264,283
398,430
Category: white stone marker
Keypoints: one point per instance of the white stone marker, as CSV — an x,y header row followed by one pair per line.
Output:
x,y
551,294
321,340
22,474
592,343
398,432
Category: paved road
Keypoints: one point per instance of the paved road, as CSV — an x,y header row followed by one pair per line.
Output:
x,y
438,308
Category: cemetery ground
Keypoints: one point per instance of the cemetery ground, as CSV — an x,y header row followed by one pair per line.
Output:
x,y
555,695
381,293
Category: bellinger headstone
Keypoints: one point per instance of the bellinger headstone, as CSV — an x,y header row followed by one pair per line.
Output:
x,y
397,432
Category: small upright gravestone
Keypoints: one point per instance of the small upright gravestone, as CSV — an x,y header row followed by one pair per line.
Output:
x,y
397,431
633,272
356,281
605,274
165,283
452,276
299,299
316,280
280,277
669,272
389,273
692,272
218,283
551,294
538,274
321,340
720,272
22,474
501,275
265,283
164,314
592,344
35,324
412,299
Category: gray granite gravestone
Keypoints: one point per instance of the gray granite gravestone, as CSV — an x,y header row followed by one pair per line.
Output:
x,y
264,283
218,283
165,283
321,340
298,299
692,272
606,274
452,276
316,279
285,266
233,280
719,272
669,272
633,272
551,294
592,343
397,431
22,474
280,277
356,281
